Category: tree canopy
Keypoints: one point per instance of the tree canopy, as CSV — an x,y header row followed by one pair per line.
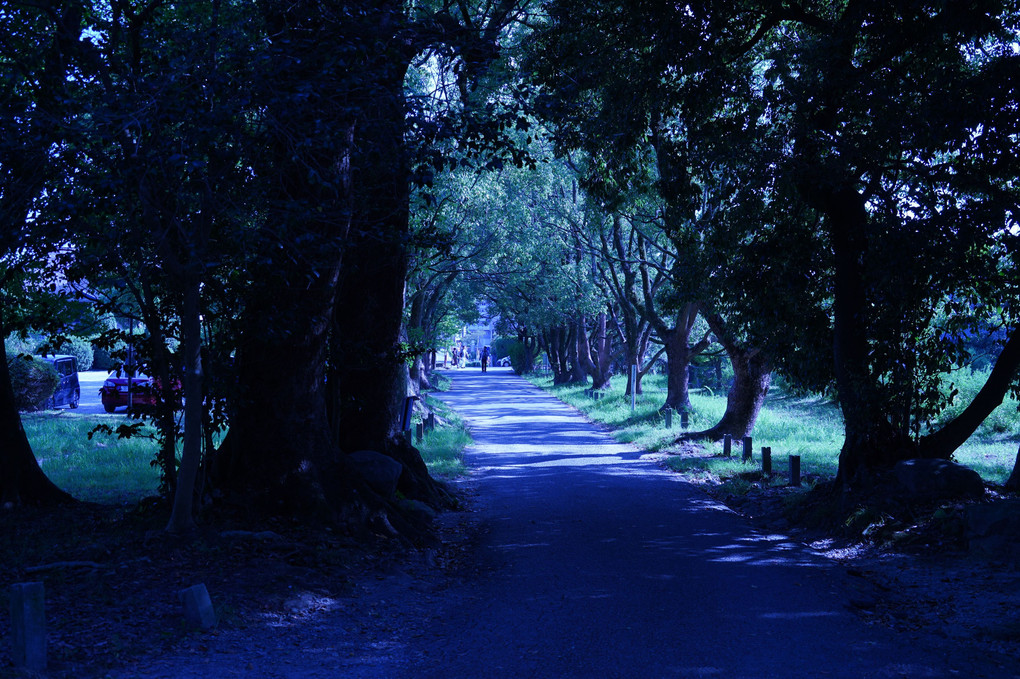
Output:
x,y
293,197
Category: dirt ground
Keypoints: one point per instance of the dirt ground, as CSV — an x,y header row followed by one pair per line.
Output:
x,y
112,579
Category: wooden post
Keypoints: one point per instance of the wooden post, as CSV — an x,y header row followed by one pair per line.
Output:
x,y
766,461
747,449
633,388
419,430
28,625
669,418
727,445
795,470
405,420
685,419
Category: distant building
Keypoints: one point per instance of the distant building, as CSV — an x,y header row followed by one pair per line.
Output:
x,y
477,336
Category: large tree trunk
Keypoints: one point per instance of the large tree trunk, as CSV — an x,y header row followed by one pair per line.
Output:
x,y
871,442
679,352
595,358
370,301
577,374
182,515
282,449
22,482
751,380
279,443
557,340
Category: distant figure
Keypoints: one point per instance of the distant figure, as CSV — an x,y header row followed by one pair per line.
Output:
x,y
485,358
455,354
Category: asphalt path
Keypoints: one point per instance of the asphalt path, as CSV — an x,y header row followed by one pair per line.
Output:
x,y
576,557
596,563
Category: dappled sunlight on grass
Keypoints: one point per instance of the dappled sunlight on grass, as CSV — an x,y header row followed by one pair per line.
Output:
x,y
807,425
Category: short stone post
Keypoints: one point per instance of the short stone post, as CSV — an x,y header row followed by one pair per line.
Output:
x,y
419,430
198,608
431,421
747,449
685,419
795,470
727,445
766,461
28,625
669,418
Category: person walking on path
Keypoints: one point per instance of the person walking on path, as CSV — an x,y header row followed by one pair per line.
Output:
x,y
485,358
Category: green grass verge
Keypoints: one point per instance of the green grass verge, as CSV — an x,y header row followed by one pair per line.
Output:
x,y
442,449
809,426
104,469
108,470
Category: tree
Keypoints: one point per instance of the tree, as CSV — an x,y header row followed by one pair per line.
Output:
x,y
339,116
37,45
916,195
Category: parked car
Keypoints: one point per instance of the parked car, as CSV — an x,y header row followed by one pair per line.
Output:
x,y
143,392
68,391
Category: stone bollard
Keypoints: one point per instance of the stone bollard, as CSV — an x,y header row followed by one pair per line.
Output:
x,y
669,418
28,625
198,608
431,422
419,430
685,419
795,470
747,449
727,445
766,461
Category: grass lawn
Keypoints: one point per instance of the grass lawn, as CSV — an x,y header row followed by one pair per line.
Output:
x,y
442,449
809,426
108,470
104,469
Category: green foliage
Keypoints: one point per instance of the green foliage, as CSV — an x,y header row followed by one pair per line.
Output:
x,y
519,359
501,347
103,358
15,344
33,381
959,389
72,345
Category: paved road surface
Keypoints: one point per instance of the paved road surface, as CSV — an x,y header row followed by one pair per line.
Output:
x,y
602,565
586,561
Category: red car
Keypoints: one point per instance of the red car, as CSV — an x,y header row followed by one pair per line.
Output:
x,y
115,393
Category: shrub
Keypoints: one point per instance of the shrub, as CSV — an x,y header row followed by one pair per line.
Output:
x,y
80,348
519,357
102,358
501,347
33,381
15,344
